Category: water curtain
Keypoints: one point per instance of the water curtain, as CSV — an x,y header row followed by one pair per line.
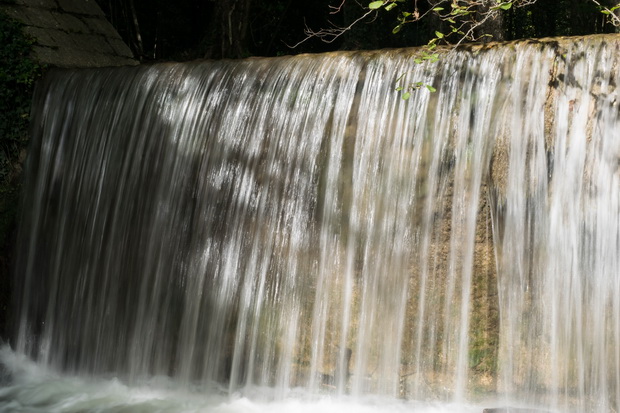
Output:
x,y
292,222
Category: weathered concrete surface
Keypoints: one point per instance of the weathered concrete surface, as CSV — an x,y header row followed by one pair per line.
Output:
x,y
70,33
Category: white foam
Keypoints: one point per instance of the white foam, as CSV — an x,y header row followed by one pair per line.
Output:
x,y
34,388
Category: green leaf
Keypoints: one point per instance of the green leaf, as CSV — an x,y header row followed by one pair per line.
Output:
x,y
431,89
397,29
406,95
417,61
438,9
505,6
390,6
375,5
460,11
439,35
605,12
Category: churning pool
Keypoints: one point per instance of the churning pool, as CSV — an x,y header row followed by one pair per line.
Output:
x,y
28,387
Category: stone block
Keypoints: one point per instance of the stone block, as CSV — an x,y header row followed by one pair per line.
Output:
x,y
120,48
70,23
33,16
100,60
74,58
43,36
93,43
47,55
45,4
98,25
85,7
63,39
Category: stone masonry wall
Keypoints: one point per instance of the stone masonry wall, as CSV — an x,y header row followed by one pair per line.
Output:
x,y
70,33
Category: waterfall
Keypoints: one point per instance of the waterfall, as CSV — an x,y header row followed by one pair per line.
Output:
x,y
292,223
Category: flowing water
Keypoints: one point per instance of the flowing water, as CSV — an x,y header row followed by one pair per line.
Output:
x,y
289,234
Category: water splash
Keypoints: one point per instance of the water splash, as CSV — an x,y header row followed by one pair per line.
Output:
x,y
36,389
292,223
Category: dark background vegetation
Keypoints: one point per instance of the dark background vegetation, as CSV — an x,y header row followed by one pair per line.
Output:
x,y
193,29
184,30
